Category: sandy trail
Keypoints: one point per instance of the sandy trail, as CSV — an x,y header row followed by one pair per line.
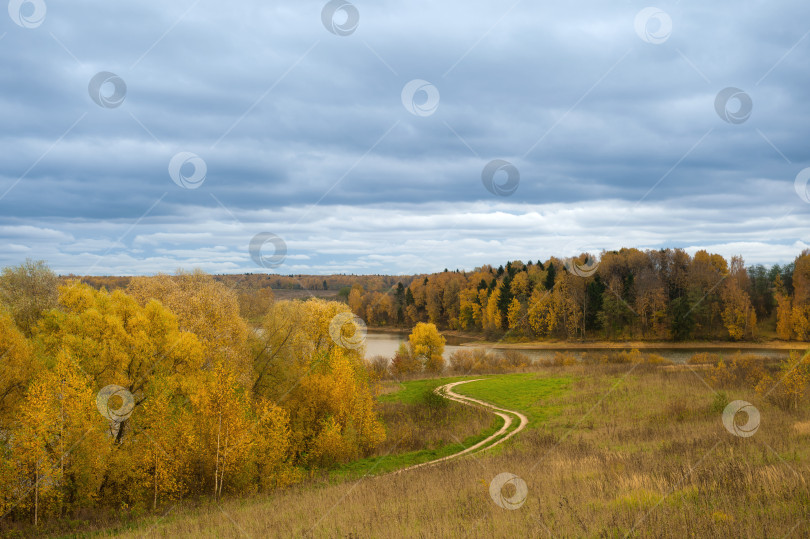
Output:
x,y
494,439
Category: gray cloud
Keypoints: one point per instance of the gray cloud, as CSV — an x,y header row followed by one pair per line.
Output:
x,y
287,115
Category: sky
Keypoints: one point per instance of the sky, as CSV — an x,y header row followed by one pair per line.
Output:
x,y
385,137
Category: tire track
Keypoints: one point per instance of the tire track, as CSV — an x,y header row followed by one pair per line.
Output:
x,y
489,442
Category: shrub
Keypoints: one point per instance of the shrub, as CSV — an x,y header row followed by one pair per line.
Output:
x,y
378,367
434,364
433,401
461,361
791,382
742,369
703,358
404,364
719,402
561,358
514,360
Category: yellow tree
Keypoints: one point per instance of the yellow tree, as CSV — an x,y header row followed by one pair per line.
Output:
x,y
59,446
542,313
272,447
254,303
784,310
469,309
479,314
800,321
280,350
205,307
117,341
568,309
801,278
224,428
403,363
492,315
800,312
28,290
426,342
520,285
515,314
738,313
791,381
332,410
356,302
160,450
18,365
795,377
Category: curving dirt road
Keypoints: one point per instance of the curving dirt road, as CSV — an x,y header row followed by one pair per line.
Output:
x,y
491,441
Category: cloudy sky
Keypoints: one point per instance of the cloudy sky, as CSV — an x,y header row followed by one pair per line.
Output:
x,y
398,137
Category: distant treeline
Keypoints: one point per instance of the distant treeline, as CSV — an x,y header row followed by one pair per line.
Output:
x,y
255,290
627,294
259,281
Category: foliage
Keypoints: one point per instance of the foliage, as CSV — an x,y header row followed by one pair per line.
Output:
x,y
27,291
633,294
209,408
427,344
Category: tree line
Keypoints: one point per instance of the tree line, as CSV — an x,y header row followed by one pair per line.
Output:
x,y
627,294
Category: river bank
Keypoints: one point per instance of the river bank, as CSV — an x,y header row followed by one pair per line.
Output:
x,y
470,339
641,345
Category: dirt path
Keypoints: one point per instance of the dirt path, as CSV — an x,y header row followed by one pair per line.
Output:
x,y
491,441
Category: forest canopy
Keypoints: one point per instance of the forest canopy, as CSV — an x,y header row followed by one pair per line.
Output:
x,y
626,294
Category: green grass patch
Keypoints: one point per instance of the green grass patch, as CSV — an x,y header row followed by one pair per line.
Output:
x,y
528,393
411,392
389,463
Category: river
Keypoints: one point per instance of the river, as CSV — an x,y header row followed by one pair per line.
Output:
x,y
382,343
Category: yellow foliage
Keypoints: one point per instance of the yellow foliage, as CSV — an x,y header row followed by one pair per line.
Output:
x,y
492,315
515,313
784,309
216,410
403,364
59,448
204,307
336,395
223,426
18,365
542,315
427,343
791,381
738,314
330,447
160,451
272,447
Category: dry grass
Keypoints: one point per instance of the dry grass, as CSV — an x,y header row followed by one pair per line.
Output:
x,y
415,426
641,454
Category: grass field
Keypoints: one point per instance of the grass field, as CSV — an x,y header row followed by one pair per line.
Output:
x,y
411,391
438,428
387,463
525,392
613,451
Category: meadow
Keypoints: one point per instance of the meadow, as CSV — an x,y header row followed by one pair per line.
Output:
x,y
612,450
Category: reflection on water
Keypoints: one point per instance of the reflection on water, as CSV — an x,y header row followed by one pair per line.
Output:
x,y
386,344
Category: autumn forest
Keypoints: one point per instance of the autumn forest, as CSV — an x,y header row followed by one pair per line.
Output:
x,y
627,294
135,392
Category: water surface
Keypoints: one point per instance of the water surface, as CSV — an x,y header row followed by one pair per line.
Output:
x,y
383,343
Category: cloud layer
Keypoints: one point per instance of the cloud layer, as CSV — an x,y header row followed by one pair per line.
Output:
x,y
612,125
